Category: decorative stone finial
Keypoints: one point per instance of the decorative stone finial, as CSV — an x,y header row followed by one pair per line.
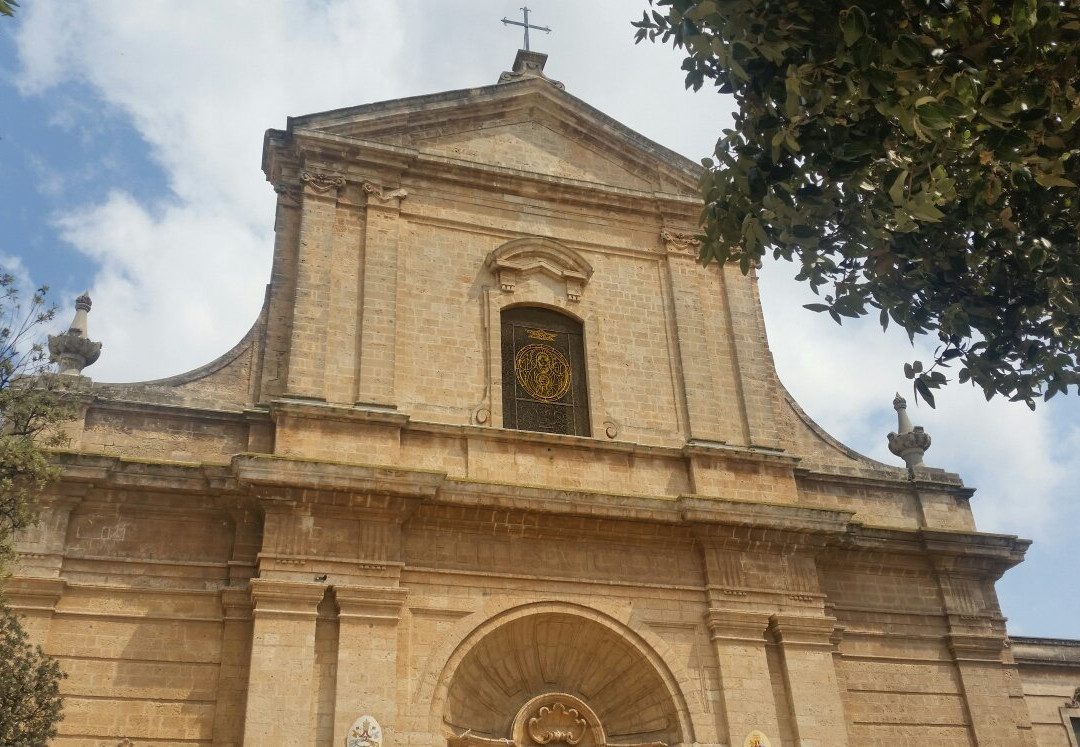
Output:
x,y
74,350
910,443
529,65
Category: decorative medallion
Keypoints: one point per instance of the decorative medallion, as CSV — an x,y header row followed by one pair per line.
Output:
x,y
557,724
365,732
756,739
543,372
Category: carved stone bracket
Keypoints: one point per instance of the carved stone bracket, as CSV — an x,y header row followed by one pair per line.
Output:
x,y
321,182
290,193
1074,702
680,242
380,194
521,257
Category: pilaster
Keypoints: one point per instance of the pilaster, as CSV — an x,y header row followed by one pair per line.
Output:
x,y
378,315
236,641
753,361
367,664
738,639
311,307
967,566
280,688
700,385
274,366
344,297
806,651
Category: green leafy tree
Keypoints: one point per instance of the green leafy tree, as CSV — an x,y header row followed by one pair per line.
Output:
x,y
30,704
31,409
915,158
7,7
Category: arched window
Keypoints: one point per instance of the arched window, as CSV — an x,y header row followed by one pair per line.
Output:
x,y
543,372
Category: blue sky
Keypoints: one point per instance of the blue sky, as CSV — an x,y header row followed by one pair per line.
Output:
x,y
130,136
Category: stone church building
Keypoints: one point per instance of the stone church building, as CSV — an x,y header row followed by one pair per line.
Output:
x,y
500,462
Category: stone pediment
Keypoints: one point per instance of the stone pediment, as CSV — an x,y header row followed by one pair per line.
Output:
x,y
535,147
528,125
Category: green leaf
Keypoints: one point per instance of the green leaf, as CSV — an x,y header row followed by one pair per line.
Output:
x,y
923,390
854,24
1052,180
896,189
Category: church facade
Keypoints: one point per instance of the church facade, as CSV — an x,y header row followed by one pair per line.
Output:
x,y
498,462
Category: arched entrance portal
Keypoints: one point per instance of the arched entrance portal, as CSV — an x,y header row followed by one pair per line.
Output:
x,y
558,679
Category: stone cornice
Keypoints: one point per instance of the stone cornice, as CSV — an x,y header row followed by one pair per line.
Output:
x,y
285,481
281,482
526,100
104,471
358,160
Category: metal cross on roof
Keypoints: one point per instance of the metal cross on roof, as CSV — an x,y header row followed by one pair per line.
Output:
x,y
526,26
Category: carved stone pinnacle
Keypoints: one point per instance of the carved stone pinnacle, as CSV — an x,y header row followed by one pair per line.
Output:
x,y
909,442
74,350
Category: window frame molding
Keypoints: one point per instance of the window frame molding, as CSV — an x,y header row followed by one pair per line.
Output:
x,y
528,290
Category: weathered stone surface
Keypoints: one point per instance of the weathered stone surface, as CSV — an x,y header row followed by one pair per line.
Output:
x,y
330,521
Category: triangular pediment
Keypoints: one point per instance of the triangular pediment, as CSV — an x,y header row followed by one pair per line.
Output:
x,y
527,126
536,147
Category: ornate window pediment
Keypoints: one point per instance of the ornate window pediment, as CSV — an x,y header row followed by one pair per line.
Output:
x,y
520,257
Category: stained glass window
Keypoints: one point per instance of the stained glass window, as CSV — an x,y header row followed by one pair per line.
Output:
x,y
543,369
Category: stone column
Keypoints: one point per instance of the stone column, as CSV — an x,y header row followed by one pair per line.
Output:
x,y
367,673
378,321
738,639
806,651
279,697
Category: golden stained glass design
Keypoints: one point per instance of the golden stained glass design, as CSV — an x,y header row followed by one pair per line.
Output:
x,y
543,372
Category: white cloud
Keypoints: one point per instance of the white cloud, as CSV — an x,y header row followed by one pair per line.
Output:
x,y
181,277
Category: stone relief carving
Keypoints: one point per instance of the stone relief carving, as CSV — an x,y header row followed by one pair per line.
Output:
x,y
557,719
364,732
322,182
556,724
550,719
382,195
682,242
290,193
1075,701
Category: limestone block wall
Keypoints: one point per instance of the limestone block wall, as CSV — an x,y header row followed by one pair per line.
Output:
x,y
279,599
1049,674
